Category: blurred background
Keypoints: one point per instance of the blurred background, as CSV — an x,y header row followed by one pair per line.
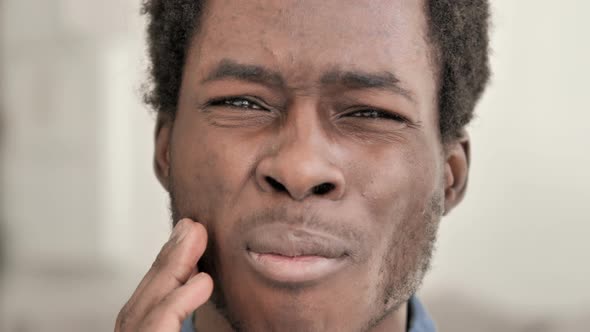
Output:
x,y
82,215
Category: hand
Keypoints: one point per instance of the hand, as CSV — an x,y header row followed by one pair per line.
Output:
x,y
172,289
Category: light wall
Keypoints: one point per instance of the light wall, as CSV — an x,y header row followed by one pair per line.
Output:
x,y
519,242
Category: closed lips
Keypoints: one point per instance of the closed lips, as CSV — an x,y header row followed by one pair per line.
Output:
x,y
285,255
285,240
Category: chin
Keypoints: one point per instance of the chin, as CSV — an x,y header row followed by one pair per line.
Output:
x,y
252,302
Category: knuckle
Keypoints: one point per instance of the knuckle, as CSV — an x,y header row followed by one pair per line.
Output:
x,y
125,317
167,310
153,320
158,262
175,275
163,257
122,321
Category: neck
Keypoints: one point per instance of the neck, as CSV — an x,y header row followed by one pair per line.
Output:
x,y
396,321
209,319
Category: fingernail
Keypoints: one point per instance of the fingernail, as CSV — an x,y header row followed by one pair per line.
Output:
x,y
177,231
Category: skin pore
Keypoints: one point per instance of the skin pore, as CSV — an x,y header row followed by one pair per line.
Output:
x,y
319,117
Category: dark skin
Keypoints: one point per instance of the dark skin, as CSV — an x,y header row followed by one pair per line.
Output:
x,y
321,114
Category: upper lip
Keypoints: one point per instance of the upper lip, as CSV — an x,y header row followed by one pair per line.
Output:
x,y
287,240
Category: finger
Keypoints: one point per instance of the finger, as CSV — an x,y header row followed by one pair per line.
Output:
x,y
172,268
169,314
178,259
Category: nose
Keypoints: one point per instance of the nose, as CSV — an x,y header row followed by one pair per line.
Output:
x,y
301,165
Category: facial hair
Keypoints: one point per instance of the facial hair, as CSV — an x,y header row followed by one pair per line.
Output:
x,y
401,273
409,259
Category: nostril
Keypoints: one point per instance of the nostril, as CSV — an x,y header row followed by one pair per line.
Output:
x,y
275,184
323,188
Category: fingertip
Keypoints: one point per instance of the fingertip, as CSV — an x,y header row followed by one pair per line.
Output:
x,y
204,284
193,241
201,277
189,223
200,227
184,221
199,231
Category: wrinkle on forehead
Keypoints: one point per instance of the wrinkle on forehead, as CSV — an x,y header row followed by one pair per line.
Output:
x,y
309,23
303,39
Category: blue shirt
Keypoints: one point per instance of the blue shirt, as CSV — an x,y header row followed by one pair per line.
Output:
x,y
420,321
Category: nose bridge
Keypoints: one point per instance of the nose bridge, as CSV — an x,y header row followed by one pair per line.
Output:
x,y
302,133
302,162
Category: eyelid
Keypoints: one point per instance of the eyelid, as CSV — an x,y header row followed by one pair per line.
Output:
x,y
395,116
254,100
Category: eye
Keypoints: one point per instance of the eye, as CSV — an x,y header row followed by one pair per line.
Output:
x,y
237,102
377,114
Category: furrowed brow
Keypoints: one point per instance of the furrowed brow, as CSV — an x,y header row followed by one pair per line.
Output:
x,y
362,80
229,69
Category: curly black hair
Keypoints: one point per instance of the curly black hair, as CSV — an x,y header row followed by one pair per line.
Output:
x,y
458,32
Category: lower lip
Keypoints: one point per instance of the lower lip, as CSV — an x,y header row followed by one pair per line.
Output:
x,y
298,269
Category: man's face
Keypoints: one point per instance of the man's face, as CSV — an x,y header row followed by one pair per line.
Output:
x,y
307,142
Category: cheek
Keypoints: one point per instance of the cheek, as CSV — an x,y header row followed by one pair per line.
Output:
x,y
399,189
207,172
399,199
395,199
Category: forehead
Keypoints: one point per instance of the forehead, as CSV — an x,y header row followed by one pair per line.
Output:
x,y
315,33
305,39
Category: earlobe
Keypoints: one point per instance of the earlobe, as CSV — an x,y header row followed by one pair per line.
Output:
x,y
456,171
163,132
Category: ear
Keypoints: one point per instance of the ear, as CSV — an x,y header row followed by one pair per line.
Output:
x,y
163,133
457,159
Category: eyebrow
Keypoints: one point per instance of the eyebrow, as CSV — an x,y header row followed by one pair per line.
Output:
x,y
357,80
229,69
354,80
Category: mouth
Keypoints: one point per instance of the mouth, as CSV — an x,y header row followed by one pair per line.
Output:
x,y
282,254
293,270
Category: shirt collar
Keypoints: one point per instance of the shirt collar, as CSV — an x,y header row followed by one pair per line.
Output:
x,y
420,321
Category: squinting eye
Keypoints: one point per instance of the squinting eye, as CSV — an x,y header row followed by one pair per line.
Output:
x,y
376,114
236,102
